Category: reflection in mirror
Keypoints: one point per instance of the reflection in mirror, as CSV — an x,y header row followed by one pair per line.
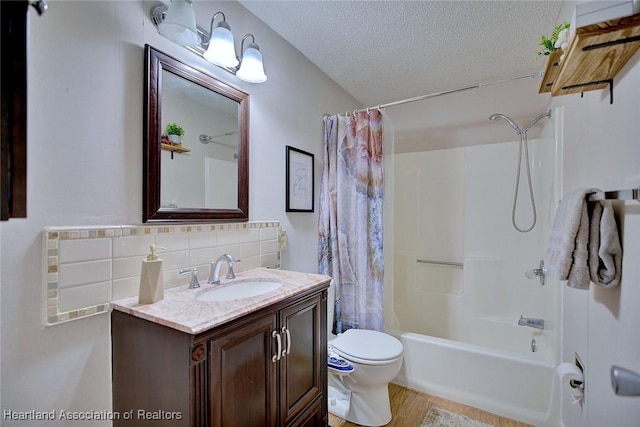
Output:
x,y
202,174
210,124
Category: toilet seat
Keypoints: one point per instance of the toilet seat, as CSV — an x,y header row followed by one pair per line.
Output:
x,y
367,347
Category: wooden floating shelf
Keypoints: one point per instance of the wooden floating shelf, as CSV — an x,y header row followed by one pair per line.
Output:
x,y
174,148
596,54
551,73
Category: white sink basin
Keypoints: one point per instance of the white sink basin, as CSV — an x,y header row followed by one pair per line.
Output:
x,y
239,290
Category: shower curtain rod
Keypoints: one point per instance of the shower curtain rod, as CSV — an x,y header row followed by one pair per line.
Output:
x,y
445,92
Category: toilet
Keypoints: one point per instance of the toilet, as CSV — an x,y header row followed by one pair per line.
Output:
x,y
359,393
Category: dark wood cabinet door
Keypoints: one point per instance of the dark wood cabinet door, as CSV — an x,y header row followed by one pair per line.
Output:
x,y
243,383
311,417
300,368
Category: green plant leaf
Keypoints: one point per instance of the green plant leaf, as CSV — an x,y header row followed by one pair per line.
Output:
x,y
174,129
548,44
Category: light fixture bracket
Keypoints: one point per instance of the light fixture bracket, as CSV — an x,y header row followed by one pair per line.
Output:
x,y
158,13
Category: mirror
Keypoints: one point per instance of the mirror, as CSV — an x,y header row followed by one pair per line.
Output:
x,y
202,175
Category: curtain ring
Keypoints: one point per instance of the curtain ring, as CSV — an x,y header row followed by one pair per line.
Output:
x,y
346,114
354,112
367,110
379,108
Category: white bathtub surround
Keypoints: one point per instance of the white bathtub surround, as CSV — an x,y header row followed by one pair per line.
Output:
x,y
457,314
88,267
455,206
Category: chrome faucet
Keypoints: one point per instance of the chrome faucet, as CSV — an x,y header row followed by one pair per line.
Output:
x,y
214,276
194,277
534,323
541,272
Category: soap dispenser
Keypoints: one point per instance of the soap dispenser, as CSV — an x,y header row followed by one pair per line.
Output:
x,y
151,282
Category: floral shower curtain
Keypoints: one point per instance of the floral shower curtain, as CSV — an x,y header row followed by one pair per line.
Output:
x,y
351,218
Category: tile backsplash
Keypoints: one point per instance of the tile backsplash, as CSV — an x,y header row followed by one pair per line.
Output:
x,y
88,267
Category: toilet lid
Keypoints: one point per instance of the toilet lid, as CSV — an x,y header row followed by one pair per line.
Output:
x,y
365,345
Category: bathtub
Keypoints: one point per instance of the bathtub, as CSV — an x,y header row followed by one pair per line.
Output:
x,y
500,382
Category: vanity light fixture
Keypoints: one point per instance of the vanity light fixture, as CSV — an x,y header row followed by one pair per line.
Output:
x,y
251,67
174,23
221,50
178,23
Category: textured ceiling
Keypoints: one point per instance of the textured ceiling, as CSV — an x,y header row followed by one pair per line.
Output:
x,y
384,51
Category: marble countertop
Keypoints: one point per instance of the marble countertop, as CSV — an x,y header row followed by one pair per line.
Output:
x,y
182,311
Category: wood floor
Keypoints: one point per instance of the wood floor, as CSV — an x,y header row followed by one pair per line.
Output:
x,y
409,408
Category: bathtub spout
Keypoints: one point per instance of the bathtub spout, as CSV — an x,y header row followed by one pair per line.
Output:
x,y
534,323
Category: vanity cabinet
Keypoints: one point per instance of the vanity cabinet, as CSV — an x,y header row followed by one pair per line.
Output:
x,y
264,369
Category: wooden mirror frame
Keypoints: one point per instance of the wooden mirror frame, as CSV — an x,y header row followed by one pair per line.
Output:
x,y
155,62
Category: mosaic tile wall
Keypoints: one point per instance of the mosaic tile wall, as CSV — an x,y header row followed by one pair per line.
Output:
x,y
88,267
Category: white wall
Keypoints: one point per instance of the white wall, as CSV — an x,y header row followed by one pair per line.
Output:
x,y
85,114
602,149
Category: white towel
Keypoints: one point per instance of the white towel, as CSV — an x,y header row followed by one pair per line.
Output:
x,y
568,250
605,251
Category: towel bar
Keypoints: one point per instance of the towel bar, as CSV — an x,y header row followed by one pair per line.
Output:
x,y
428,261
632,194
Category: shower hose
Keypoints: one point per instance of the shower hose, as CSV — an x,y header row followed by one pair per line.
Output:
x,y
525,143
522,133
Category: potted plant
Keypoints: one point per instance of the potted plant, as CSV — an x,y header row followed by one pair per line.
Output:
x,y
174,131
559,39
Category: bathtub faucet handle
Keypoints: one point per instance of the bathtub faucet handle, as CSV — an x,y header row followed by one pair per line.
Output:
x,y
540,272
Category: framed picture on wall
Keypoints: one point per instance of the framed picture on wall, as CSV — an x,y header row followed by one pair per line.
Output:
x,y
299,180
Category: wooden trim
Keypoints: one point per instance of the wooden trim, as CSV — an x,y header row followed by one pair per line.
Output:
x,y
199,386
551,72
13,112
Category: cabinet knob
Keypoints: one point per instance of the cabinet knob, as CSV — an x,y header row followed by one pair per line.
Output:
x,y
198,353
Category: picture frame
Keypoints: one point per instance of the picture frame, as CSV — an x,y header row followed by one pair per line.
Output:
x,y
299,167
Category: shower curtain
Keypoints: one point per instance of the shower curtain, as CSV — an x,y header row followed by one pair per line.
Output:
x,y
350,232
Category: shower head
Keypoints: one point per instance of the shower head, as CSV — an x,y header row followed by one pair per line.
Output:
x,y
537,119
499,116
